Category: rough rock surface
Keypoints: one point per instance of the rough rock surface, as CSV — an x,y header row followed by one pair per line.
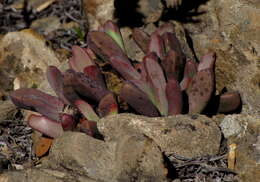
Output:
x,y
244,131
231,29
185,135
133,156
98,11
24,56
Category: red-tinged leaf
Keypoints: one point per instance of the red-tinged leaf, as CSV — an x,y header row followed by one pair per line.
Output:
x,y
113,31
174,96
94,73
45,125
190,71
200,90
104,46
36,100
42,146
55,79
173,65
172,43
141,38
229,101
140,68
138,100
80,59
107,106
89,88
68,122
69,80
166,27
156,45
207,61
126,70
89,127
86,110
90,53
157,81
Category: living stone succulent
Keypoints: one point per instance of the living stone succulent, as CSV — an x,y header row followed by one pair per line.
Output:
x,y
157,86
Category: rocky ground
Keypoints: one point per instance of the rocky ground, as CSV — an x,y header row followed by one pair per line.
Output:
x,y
35,34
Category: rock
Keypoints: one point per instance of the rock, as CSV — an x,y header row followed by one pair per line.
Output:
x,y
41,175
185,135
25,56
46,25
244,131
150,9
132,156
98,12
231,29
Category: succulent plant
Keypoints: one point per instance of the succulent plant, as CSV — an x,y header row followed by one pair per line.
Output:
x,y
157,86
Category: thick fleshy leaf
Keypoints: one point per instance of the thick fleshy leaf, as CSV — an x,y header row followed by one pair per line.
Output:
x,y
45,125
36,100
190,71
107,106
80,59
157,81
166,27
173,65
89,88
94,73
172,43
156,45
69,80
141,38
229,101
55,79
86,110
89,127
174,96
138,100
104,46
200,90
126,70
113,31
140,68
68,122
207,61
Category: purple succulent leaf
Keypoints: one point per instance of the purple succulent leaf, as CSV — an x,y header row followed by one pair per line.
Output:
x,y
36,100
69,80
156,45
104,46
157,81
207,61
45,125
200,90
86,110
138,100
113,31
172,43
229,101
166,27
173,65
190,71
140,68
80,59
68,122
94,73
55,79
174,97
89,88
107,106
126,70
141,38
89,127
